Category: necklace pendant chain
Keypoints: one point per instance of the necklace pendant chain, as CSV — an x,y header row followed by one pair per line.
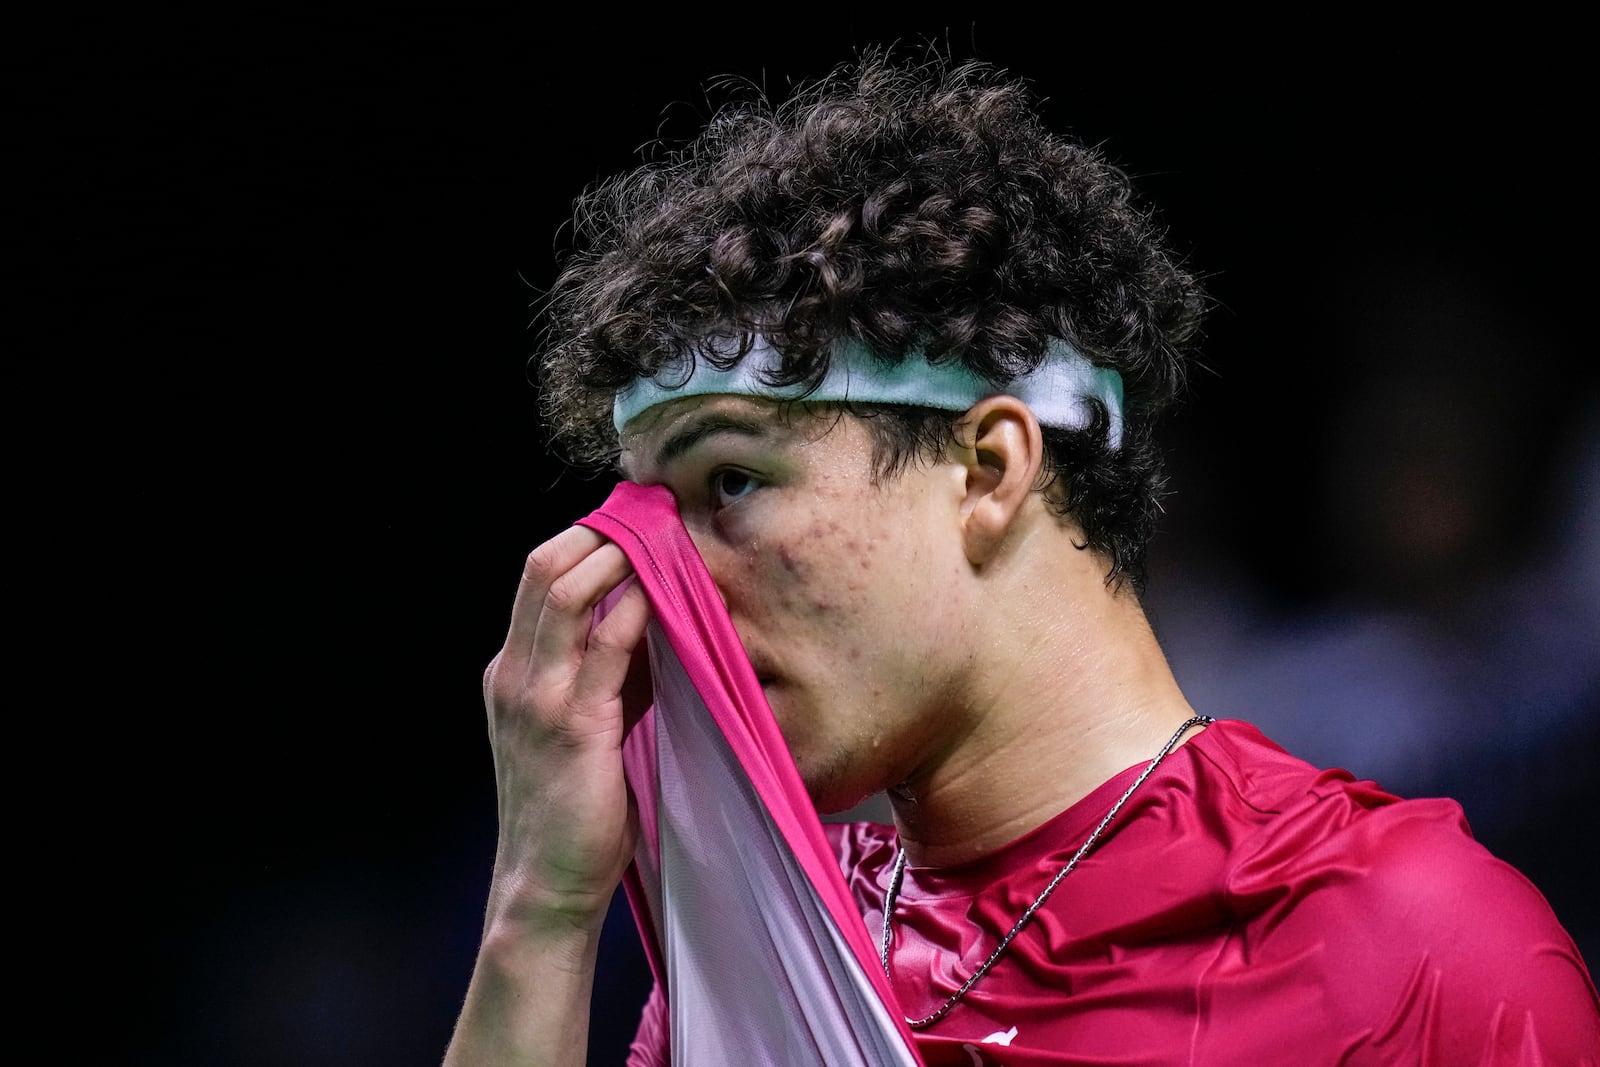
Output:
x,y
893,894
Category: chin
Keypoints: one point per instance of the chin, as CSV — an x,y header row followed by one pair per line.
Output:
x,y
830,786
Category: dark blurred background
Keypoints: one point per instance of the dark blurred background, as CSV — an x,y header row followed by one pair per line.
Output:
x,y
277,442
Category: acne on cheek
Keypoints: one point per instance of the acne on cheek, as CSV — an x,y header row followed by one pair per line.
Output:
x,y
792,564
795,597
799,564
818,572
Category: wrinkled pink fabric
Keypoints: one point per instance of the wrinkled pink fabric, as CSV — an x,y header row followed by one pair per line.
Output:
x,y
1244,908
754,940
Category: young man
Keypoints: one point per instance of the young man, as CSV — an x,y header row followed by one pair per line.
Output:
x,y
897,352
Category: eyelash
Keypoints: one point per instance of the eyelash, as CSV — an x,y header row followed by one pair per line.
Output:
x,y
714,484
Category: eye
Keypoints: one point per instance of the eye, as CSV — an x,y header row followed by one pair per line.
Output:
x,y
730,485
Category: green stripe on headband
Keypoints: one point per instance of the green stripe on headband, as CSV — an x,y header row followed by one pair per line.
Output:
x,y
1058,391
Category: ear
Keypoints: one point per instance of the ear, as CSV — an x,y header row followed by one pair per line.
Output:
x,y
999,443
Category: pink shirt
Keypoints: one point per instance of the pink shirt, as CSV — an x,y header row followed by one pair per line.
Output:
x,y
1243,908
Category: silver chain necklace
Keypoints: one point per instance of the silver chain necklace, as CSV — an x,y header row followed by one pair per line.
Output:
x,y
1083,850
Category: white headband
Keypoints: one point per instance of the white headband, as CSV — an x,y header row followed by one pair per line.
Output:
x,y
1058,391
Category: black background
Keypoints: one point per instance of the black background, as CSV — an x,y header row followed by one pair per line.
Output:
x,y
280,465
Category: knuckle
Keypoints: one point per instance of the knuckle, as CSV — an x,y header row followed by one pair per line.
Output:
x,y
541,563
501,686
498,693
607,639
565,595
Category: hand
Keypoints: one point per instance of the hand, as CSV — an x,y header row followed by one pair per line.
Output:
x,y
554,696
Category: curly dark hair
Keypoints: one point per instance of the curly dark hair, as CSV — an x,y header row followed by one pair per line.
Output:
x,y
912,204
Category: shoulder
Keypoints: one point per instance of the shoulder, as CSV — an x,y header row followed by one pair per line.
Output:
x,y
1322,835
1410,925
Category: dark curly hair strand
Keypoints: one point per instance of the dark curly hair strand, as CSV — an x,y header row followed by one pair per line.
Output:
x,y
914,204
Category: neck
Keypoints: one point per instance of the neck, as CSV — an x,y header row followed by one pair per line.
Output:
x,y
1045,723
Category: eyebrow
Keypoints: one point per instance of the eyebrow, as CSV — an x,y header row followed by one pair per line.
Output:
x,y
710,426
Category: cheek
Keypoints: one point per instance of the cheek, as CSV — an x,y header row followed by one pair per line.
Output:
x,y
799,582
826,573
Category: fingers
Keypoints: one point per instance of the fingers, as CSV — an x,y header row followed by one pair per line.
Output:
x,y
556,654
543,566
562,580
562,633
611,646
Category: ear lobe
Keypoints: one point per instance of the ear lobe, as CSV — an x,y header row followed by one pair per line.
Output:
x,y
1003,452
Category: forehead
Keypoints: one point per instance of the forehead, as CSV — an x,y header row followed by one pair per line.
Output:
x,y
669,431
